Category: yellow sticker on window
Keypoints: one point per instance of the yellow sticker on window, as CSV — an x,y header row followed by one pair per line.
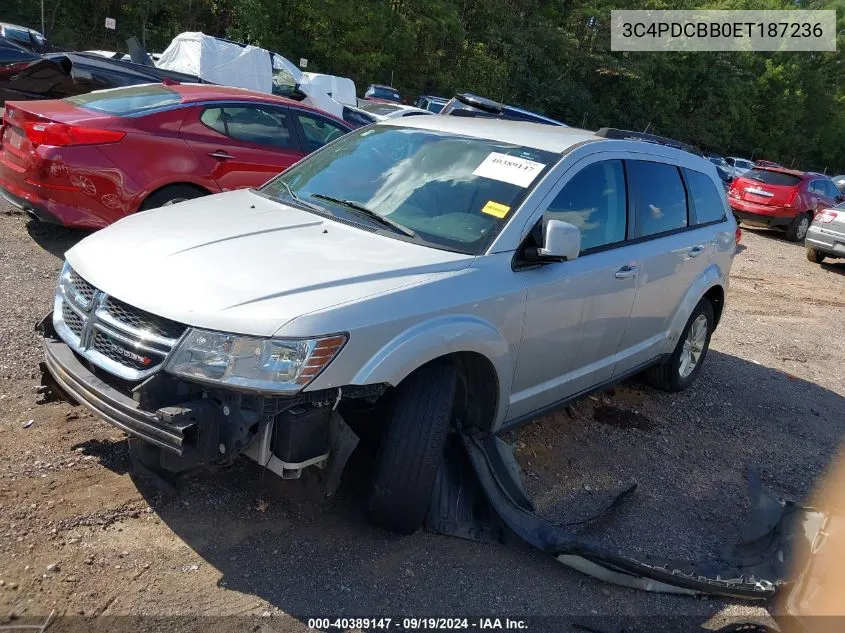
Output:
x,y
495,209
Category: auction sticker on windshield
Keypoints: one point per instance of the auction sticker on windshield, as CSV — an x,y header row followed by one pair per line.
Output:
x,y
510,169
495,209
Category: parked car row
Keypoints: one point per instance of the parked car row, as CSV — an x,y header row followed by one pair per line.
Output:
x,y
785,199
89,160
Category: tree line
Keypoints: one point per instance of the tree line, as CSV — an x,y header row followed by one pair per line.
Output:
x,y
552,56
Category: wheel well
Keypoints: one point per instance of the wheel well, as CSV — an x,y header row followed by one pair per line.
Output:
x,y
198,188
716,295
477,395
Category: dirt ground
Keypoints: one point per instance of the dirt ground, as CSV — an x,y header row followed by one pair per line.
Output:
x,y
81,536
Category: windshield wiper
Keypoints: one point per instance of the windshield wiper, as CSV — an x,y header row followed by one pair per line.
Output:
x,y
384,221
304,203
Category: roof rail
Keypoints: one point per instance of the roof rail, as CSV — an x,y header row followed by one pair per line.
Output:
x,y
628,135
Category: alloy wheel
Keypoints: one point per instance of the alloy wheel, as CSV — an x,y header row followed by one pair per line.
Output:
x,y
693,346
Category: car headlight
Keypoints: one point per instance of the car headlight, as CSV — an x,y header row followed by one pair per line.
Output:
x,y
258,364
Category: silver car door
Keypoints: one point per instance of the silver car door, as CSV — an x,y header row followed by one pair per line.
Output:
x,y
576,311
673,251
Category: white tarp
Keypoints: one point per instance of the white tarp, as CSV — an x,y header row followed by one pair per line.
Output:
x,y
251,67
341,89
219,61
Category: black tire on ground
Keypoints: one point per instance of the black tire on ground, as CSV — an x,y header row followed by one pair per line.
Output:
x,y
171,195
412,447
797,229
667,375
814,256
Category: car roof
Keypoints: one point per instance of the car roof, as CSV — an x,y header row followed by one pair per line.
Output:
x,y
198,93
22,28
382,86
475,100
191,93
535,135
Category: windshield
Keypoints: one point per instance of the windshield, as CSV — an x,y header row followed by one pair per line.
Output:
x,y
380,92
452,192
379,108
128,101
773,177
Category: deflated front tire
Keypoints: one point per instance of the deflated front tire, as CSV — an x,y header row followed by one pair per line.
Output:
x,y
412,447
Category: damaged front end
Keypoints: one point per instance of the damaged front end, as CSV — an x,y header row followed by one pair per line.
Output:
x,y
188,425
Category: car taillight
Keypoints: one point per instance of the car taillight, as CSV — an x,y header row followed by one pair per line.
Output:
x,y
826,217
733,192
791,200
62,134
738,234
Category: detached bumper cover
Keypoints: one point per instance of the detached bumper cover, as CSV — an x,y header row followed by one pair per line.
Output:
x,y
108,403
779,534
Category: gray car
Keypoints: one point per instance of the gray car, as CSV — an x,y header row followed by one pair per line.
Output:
x,y
826,235
413,276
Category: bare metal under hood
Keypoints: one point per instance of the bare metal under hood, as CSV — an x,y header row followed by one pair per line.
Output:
x,y
239,262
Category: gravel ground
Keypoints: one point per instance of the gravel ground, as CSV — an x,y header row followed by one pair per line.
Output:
x,y
82,536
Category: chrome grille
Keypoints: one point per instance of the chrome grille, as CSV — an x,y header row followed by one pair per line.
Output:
x,y
73,321
143,321
116,352
82,289
123,340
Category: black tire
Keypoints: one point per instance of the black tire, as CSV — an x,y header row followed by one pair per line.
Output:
x,y
667,375
797,229
814,256
411,448
171,195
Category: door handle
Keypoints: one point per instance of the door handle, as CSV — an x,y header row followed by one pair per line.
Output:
x,y
221,155
695,251
626,272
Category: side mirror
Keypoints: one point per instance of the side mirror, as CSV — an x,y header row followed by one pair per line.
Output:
x,y
561,241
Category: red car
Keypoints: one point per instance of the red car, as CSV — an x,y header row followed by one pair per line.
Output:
x,y
89,160
774,197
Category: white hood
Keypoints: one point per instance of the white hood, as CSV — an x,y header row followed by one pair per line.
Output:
x,y
240,262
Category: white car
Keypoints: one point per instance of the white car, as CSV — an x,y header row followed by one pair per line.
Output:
x,y
375,111
739,166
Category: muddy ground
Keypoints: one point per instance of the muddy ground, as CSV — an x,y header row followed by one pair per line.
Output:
x,y
79,534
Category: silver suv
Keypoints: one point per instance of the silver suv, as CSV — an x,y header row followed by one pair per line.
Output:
x,y
414,275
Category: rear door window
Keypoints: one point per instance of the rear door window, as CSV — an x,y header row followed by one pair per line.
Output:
x,y
318,131
594,200
260,125
832,191
707,203
659,197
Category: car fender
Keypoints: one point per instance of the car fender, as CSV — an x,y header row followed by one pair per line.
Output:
x,y
438,337
710,277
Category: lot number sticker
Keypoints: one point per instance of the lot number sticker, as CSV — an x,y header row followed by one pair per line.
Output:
x,y
495,209
516,171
